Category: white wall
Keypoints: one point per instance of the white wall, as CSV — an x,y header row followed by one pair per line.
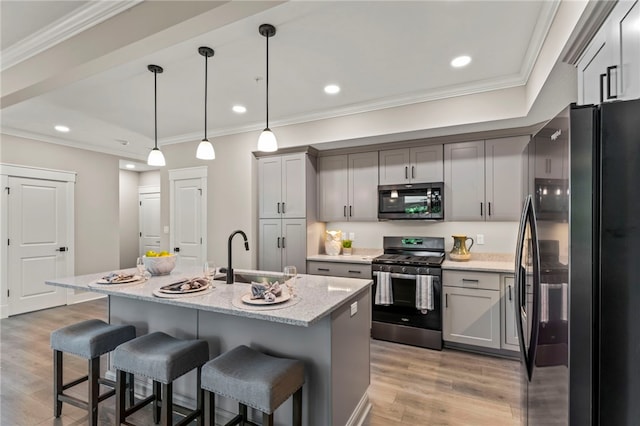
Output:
x,y
499,237
151,178
129,211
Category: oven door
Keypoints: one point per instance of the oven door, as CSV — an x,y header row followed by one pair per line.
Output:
x,y
403,311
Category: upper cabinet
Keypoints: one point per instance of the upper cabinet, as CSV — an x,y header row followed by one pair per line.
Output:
x,y
281,186
483,179
609,68
411,165
348,187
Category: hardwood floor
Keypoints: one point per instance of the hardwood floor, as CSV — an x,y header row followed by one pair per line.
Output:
x,y
409,385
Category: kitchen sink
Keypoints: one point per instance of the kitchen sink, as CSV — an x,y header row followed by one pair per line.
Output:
x,y
247,277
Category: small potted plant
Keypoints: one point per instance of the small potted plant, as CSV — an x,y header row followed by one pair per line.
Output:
x,y
346,247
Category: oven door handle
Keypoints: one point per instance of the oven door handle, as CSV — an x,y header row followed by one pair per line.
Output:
x,y
401,276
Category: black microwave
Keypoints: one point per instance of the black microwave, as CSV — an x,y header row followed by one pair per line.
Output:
x,y
421,201
552,199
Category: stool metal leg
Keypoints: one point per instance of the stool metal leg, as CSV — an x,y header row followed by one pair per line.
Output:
x,y
132,389
156,401
242,411
210,408
57,383
166,415
200,397
94,390
120,397
297,408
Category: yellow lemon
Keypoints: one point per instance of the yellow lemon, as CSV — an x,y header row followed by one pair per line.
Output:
x,y
164,253
151,253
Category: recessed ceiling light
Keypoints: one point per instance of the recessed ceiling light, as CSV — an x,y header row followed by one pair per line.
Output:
x,y
61,128
239,109
130,166
461,61
332,89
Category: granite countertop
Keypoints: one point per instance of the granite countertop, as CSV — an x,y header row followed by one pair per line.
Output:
x,y
317,296
360,255
484,262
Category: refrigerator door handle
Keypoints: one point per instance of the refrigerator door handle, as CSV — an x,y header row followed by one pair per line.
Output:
x,y
609,95
602,77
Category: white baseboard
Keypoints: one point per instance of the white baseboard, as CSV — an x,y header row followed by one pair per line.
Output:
x,y
4,311
361,411
74,297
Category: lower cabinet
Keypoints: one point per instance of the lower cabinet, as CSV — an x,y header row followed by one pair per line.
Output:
x,y
339,269
282,242
479,309
471,308
509,330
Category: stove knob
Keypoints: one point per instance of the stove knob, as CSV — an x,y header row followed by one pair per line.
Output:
x,y
404,269
419,271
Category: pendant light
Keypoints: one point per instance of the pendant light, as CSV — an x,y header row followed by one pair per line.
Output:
x,y
205,149
155,156
267,141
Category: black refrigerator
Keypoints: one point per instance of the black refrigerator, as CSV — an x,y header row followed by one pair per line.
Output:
x,y
578,269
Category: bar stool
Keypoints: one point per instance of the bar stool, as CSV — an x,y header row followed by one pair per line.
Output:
x,y
163,359
87,339
256,380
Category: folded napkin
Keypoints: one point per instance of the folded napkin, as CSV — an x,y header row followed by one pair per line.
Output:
x,y
116,277
424,292
265,291
384,292
186,285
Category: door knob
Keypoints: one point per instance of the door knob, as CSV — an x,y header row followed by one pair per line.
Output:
x,y
62,249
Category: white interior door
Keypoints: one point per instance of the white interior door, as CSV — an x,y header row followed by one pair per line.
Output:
x,y
38,246
149,222
188,204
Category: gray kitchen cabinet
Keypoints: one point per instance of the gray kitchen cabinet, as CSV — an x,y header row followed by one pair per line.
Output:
x,y
339,269
281,186
609,68
483,179
411,165
464,181
348,187
282,242
509,339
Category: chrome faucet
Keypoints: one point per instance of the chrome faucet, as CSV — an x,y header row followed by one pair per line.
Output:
x,y
246,246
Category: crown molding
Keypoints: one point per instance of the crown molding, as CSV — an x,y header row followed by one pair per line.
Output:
x,y
71,144
543,25
83,18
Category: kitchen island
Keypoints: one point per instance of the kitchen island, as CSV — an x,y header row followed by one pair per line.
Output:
x,y
326,325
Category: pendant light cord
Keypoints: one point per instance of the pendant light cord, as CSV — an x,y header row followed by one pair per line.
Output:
x,y
206,74
267,85
155,106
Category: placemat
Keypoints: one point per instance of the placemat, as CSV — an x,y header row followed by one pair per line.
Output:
x,y
238,303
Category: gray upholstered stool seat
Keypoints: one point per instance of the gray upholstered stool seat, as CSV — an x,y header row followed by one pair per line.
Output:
x,y
162,359
256,380
87,339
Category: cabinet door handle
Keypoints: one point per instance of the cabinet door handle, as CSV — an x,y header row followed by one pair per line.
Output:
x,y
481,209
354,272
602,77
345,211
350,211
283,212
547,165
278,208
470,280
283,242
489,208
278,242
446,300
324,269
406,172
413,172
509,293
62,249
609,96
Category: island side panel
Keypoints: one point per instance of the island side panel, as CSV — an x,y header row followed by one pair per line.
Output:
x,y
148,317
350,357
312,345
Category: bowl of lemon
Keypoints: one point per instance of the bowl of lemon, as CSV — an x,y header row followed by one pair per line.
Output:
x,y
159,263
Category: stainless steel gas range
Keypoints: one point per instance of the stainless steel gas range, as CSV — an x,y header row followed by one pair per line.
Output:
x,y
407,291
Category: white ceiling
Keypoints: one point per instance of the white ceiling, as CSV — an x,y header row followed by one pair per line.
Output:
x,y
381,53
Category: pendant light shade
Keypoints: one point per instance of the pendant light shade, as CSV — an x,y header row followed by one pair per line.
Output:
x,y
155,156
267,141
205,149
